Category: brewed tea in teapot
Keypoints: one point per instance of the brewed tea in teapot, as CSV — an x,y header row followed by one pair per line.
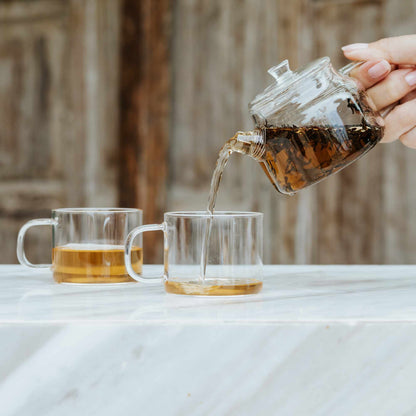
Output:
x,y
310,123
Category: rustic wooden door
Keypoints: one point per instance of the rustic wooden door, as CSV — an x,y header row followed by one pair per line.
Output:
x,y
58,112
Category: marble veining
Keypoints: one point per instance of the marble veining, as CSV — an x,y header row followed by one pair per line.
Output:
x,y
290,294
319,340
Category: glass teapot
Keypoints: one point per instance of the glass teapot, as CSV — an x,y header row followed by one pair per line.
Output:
x,y
310,123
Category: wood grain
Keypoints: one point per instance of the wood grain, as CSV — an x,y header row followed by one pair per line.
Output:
x,y
144,112
92,86
106,102
31,99
349,220
399,181
58,113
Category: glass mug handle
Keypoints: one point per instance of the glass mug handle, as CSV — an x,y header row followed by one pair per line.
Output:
x,y
128,248
20,251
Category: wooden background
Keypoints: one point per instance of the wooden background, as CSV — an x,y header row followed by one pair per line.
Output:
x,y
111,102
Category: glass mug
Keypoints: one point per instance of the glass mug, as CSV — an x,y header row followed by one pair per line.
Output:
x,y
88,244
234,258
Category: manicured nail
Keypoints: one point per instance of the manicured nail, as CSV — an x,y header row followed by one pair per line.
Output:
x,y
354,47
379,69
411,78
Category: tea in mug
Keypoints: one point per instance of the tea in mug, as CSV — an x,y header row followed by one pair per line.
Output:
x,y
93,263
212,287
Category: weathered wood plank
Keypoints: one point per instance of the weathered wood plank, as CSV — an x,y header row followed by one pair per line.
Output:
x,y
348,204
58,112
25,199
31,60
144,104
399,180
12,12
32,48
92,112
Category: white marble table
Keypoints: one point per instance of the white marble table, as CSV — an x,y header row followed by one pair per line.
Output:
x,y
319,340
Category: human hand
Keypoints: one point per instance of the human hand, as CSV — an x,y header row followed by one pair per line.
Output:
x,y
389,76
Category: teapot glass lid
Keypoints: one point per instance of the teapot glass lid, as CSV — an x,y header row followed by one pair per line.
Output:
x,y
287,83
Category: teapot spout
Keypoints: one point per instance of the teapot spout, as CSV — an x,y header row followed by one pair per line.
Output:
x,y
250,143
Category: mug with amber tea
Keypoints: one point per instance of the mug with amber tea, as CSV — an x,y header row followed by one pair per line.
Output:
x,y
233,253
88,244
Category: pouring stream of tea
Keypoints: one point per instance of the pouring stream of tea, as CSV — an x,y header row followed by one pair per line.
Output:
x,y
231,146
222,160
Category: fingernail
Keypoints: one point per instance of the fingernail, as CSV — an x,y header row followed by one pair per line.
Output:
x,y
379,69
354,47
411,78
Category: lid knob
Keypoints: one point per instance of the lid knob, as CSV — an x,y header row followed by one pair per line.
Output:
x,y
281,71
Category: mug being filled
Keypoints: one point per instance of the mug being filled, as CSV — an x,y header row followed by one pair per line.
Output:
x,y
234,257
88,244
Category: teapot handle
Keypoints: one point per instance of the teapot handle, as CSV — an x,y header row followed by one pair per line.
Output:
x,y
345,70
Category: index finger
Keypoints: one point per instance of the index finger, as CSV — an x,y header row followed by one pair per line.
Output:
x,y
400,50
369,73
